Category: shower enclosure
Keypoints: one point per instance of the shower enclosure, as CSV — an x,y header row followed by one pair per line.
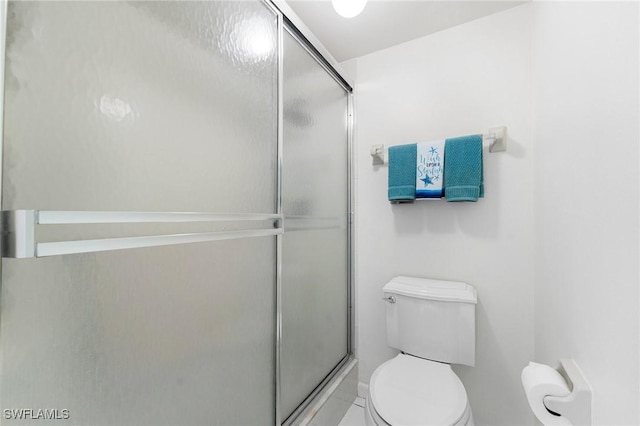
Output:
x,y
176,214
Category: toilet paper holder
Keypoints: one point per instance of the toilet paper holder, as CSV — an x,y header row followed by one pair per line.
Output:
x,y
575,407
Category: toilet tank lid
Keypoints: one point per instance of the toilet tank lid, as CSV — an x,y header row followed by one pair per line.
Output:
x,y
424,288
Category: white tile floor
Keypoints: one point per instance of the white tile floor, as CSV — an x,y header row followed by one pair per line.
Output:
x,y
355,414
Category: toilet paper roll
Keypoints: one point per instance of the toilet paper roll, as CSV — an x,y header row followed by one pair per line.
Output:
x,y
538,381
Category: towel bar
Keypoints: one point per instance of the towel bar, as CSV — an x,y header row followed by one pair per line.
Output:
x,y
495,138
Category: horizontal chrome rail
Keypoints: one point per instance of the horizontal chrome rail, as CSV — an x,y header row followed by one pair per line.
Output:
x,y
49,217
19,236
313,223
91,246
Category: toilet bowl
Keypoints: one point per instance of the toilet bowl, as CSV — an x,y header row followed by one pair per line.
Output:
x,y
408,390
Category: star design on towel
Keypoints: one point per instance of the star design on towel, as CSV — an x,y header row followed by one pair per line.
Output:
x,y
427,180
433,150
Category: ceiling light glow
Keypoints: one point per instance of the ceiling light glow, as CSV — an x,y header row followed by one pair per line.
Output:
x,y
348,8
254,39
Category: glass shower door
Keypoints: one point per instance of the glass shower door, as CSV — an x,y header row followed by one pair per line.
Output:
x,y
315,271
120,118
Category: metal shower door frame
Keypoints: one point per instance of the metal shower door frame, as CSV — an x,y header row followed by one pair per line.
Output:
x,y
289,22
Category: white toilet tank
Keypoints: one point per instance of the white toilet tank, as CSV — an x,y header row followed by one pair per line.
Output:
x,y
432,319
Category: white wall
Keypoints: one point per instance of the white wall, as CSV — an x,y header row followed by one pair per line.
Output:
x,y
586,197
456,82
560,217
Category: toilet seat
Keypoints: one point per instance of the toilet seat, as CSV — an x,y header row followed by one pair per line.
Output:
x,y
407,390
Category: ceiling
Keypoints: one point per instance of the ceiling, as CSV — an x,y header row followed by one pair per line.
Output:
x,y
386,23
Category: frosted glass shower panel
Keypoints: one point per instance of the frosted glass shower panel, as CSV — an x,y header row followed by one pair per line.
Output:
x,y
144,106
315,205
180,335
147,107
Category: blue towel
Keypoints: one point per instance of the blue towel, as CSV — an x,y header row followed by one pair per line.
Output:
x,y
463,174
402,173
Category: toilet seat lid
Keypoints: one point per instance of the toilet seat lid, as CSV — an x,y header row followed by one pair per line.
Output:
x,y
407,390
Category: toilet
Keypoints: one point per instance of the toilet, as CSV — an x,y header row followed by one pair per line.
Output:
x,y
432,323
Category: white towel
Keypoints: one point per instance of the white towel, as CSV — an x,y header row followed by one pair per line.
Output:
x,y
429,169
